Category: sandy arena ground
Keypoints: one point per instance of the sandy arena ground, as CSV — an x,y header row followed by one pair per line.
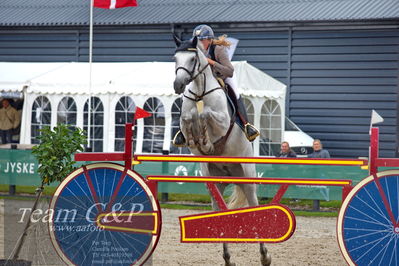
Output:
x,y
313,243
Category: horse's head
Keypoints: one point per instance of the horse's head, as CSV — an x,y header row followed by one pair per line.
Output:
x,y
187,63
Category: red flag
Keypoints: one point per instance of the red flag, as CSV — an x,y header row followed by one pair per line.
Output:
x,y
140,113
112,4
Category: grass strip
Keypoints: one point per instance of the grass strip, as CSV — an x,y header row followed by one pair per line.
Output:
x,y
198,201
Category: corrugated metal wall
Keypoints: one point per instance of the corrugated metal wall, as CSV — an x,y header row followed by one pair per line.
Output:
x,y
335,77
128,46
110,45
38,45
265,50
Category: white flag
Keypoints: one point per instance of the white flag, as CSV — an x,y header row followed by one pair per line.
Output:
x,y
376,118
230,51
233,45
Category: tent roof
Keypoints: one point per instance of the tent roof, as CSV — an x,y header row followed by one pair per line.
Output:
x,y
14,76
144,78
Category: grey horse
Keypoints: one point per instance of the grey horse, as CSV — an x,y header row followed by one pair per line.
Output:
x,y
208,126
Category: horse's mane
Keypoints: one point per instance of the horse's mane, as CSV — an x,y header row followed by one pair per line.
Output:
x,y
190,45
186,46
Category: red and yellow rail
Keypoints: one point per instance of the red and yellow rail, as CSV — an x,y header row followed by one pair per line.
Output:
x,y
256,160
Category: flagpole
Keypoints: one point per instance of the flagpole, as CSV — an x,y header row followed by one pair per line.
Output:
x,y
100,4
90,72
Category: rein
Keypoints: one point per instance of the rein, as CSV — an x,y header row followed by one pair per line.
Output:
x,y
199,97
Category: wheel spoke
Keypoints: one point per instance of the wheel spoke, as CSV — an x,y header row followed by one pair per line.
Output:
x,y
374,232
375,242
380,211
372,218
385,248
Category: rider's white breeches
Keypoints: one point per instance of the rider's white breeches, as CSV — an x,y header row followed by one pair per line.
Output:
x,y
233,84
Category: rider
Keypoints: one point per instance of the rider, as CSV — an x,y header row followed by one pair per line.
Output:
x,y
222,68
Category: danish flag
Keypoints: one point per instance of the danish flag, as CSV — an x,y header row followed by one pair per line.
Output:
x,y
112,4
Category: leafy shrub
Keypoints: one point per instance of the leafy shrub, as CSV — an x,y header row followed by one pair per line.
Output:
x,y
55,151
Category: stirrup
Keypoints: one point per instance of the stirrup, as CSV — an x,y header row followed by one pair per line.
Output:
x,y
179,140
251,132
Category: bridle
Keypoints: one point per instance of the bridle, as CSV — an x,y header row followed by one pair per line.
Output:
x,y
200,71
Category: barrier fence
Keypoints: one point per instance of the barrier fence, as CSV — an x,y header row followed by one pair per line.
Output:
x,y
19,167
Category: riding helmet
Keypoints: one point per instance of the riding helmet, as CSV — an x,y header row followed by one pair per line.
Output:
x,y
203,32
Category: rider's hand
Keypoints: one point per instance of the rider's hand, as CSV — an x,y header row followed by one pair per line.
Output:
x,y
211,62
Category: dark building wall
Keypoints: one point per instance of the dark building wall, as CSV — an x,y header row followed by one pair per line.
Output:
x,y
39,45
337,77
121,44
334,76
111,45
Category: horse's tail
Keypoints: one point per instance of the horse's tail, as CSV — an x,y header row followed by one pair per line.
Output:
x,y
237,199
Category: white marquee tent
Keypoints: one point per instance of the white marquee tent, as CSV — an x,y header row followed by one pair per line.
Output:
x,y
110,81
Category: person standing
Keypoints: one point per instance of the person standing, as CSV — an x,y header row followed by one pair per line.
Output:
x,y
9,120
318,151
286,150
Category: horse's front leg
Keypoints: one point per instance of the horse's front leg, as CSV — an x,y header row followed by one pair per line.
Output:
x,y
204,139
186,125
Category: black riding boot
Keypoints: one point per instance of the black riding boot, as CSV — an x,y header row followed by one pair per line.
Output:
x,y
179,140
251,132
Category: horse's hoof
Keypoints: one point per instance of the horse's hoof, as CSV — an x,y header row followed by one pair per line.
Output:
x,y
266,260
209,151
191,143
230,264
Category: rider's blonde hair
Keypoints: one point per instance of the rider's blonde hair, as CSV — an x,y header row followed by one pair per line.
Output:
x,y
221,40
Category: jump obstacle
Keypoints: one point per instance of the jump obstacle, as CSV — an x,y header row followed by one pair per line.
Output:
x,y
98,188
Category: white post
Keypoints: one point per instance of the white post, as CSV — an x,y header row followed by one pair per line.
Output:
x,y
90,71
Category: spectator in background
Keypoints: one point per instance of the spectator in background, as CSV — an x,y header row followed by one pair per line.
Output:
x,y
18,105
318,151
286,150
9,119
